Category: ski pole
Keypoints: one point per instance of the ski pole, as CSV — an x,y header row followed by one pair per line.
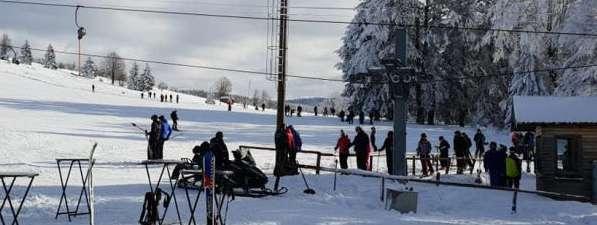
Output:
x,y
335,175
141,129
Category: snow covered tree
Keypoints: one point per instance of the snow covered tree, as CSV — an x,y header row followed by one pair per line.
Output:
x,y
4,47
114,67
26,56
163,85
49,60
89,69
134,79
148,81
223,87
578,51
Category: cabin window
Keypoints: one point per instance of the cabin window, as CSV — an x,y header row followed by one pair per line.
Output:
x,y
567,153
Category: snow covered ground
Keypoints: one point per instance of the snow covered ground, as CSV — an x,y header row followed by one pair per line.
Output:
x,y
47,114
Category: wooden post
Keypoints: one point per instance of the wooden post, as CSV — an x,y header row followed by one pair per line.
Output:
x,y
370,163
449,159
318,163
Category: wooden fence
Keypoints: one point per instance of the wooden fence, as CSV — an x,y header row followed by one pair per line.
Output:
x,y
413,158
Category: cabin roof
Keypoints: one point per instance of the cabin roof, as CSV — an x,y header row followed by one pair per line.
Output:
x,y
531,111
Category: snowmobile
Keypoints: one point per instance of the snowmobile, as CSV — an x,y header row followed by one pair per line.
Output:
x,y
246,180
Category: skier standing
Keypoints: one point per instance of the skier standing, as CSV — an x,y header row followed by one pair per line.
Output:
x,y
165,132
350,117
262,106
177,98
154,137
174,117
342,147
315,110
325,111
299,109
332,111
371,117
479,143
372,139
361,148
459,149
424,151
361,117
444,154
93,88
388,145
494,163
341,115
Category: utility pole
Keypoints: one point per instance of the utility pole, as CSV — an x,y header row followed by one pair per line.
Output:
x,y
281,77
282,63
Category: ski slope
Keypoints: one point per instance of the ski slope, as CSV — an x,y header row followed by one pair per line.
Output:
x,y
48,114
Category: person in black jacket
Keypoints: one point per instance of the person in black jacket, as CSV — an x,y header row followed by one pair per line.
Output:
x,y
372,139
361,117
341,115
220,150
479,139
153,137
174,117
388,145
444,153
460,151
361,148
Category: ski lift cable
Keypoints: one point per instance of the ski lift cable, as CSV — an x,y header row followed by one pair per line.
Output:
x,y
360,23
187,65
313,77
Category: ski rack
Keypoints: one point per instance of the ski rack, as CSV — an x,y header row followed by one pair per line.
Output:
x,y
64,182
9,189
193,202
165,172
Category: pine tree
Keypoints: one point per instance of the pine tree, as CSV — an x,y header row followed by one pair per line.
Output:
x,y
4,47
148,81
50,58
134,82
89,69
26,56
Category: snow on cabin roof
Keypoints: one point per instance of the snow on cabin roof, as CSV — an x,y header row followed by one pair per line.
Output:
x,y
555,110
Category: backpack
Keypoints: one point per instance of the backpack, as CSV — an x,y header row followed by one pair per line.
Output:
x,y
166,131
298,143
511,168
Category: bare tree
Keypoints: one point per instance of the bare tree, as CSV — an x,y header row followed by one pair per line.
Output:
x,y
4,46
114,67
223,87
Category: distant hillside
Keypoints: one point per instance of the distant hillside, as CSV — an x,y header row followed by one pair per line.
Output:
x,y
312,101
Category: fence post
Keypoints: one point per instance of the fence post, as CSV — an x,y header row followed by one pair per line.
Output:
x,y
414,165
370,163
318,165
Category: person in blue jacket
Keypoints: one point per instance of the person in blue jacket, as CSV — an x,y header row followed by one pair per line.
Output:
x,y
165,133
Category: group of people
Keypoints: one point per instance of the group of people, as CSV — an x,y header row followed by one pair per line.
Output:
x,y
288,142
374,115
504,168
290,111
159,133
163,97
363,145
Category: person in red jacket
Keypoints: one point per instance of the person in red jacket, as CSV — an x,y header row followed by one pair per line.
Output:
x,y
291,150
342,147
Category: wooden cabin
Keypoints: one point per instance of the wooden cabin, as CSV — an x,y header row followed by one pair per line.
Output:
x,y
565,141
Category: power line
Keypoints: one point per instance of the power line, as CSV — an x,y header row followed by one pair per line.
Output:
x,y
188,65
253,72
364,23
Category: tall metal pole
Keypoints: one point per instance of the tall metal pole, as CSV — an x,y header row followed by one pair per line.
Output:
x,y
281,73
400,110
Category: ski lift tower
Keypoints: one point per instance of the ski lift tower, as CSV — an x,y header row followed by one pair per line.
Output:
x,y
398,77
